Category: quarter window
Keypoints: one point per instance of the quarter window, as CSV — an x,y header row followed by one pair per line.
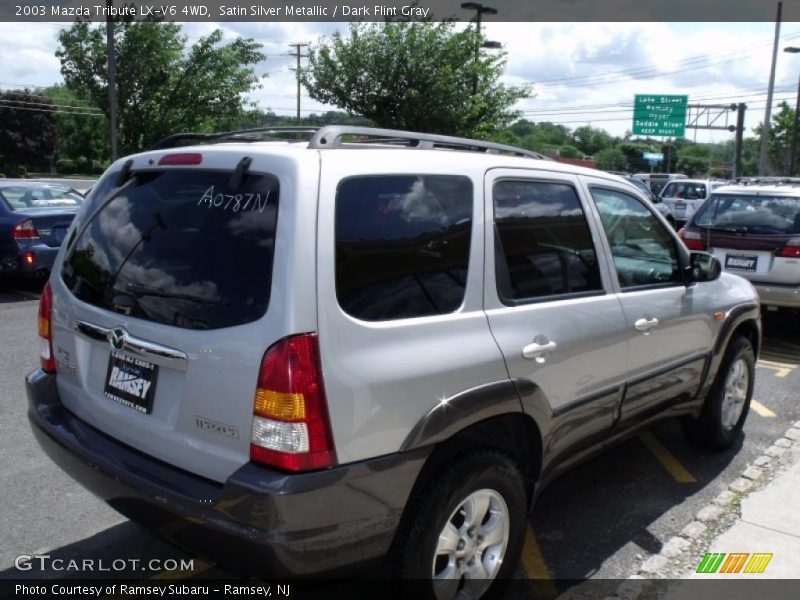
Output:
x,y
402,245
644,252
543,246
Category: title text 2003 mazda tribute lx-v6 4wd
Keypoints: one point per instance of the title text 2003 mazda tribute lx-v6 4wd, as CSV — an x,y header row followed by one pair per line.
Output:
x,y
372,343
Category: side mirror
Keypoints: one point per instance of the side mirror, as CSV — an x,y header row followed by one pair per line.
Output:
x,y
704,267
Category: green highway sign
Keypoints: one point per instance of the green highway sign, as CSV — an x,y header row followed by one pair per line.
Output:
x,y
659,114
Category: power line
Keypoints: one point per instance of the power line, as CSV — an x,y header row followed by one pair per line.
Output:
x,y
626,73
57,112
6,100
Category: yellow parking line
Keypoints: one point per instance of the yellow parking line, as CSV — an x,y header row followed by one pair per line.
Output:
x,y
762,410
536,568
781,369
667,459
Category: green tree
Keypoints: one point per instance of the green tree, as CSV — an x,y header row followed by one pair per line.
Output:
x,y
162,86
569,151
78,134
546,137
27,131
779,141
611,159
423,76
692,166
590,140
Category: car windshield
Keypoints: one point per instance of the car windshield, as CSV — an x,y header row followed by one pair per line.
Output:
x,y
767,215
682,189
19,198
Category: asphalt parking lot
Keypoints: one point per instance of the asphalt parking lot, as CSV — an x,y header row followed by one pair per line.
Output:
x,y
596,523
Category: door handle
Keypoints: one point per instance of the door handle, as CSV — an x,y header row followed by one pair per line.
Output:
x,y
645,325
534,350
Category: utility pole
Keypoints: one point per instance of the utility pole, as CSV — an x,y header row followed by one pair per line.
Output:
x,y
793,152
297,54
112,80
480,10
762,159
737,152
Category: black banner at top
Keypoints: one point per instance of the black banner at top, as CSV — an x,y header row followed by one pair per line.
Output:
x,y
372,10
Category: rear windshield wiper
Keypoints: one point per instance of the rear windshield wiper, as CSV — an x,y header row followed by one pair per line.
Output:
x,y
741,230
140,290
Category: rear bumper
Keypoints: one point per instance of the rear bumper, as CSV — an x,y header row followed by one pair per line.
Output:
x,y
787,296
42,258
325,523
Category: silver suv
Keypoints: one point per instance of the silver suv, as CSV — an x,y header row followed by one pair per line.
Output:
x,y
371,343
684,196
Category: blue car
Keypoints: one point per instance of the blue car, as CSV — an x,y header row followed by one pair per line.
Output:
x,y
34,218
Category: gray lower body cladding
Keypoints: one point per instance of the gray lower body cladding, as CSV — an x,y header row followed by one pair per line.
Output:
x,y
324,523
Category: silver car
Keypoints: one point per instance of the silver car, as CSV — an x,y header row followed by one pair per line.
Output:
x,y
372,346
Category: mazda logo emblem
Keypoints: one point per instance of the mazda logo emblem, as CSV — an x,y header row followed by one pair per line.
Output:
x,y
117,338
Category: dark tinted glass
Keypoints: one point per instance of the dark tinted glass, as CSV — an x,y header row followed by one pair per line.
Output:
x,y
545,246
759,215
402,245
180,248
643,250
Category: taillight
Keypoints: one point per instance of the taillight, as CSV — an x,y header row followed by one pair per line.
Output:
x,y
291,428
25,230
45,330
182,158
791,250
692,239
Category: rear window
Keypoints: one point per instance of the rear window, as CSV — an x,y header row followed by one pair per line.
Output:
x,y
690,191
764,215
178,247
402,245
27,197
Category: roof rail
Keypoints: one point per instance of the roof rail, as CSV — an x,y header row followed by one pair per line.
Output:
x,y
768,180
171,141
331,137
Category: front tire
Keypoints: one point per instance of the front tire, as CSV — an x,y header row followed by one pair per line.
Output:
x,y
467,527
721,421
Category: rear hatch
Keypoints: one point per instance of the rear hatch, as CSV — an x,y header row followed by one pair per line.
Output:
x,y
753,235
160,314
684,197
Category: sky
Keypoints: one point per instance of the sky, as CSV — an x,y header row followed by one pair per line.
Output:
x,y
582,73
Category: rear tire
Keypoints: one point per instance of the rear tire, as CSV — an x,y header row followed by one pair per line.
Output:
x,y
720,422
466,528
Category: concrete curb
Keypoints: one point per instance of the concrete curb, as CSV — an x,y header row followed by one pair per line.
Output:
x,y
653,567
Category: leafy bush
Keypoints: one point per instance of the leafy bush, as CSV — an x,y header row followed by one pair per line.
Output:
x,y
66,166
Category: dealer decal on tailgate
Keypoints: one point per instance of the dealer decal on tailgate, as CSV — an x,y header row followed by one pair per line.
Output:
x,y
741,261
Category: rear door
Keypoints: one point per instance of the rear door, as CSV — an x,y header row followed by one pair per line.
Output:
x,y
668,338
549,302
161,308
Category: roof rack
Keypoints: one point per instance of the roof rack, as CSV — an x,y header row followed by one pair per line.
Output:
x,y
331,136
768,180
183,139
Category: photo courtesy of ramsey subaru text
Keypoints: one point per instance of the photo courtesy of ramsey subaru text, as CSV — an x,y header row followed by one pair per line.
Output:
x,y
364,348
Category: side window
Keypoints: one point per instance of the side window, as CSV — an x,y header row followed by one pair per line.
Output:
x,y
543,245
644,252
402,245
